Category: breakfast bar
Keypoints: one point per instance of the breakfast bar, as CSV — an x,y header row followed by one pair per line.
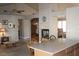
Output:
x,y
58,47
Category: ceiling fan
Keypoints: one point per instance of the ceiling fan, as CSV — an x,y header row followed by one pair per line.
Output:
x,y
14,10
17,11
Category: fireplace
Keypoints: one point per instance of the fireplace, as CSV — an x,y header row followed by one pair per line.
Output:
x,y
4,39
45,33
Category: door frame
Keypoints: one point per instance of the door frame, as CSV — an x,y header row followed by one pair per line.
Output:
x,y
38,28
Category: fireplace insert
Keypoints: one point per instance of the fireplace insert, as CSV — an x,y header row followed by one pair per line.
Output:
x,y
45,33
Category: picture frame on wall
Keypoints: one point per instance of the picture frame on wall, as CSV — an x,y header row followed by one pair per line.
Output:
x,y
5,22
44,18
10,25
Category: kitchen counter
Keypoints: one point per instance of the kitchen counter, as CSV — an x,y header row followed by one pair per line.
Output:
x,y
51,47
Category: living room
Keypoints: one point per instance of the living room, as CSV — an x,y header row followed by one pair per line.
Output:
x,y
25,24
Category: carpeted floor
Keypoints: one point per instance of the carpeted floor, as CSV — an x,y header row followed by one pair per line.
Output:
x,y
20,50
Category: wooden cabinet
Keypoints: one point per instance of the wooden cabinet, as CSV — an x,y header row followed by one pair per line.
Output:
x,y
77,49
77,52
61,53
70,51
40,53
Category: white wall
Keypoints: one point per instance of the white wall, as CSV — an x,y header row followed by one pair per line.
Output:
x,y
28,15
51,21
72,16
12,32
27,29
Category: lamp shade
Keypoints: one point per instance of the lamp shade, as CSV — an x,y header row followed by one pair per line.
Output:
x,y
2,30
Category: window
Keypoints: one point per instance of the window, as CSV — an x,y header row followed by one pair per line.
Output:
x,y
62,25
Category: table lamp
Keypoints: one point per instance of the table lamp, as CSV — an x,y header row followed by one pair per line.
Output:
x,y
2,32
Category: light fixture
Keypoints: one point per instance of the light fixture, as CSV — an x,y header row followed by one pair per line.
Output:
x,y
2,32
35,23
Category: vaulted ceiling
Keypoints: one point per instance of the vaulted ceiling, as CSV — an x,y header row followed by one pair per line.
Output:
x,y
35,6
4,4
61,6
32,5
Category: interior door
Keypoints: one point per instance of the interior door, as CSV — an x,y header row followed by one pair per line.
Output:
x,y
20,29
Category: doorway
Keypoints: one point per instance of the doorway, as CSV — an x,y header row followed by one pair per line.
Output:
x,y
20,29
62,28
35,29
